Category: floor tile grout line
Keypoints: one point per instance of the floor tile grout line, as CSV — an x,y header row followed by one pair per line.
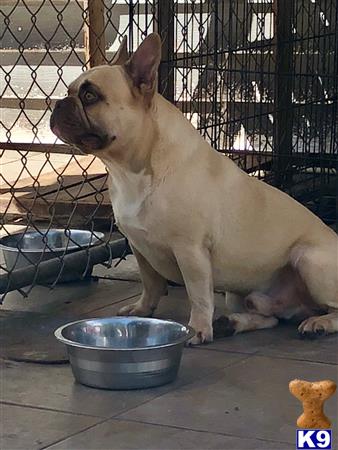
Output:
x,y
45,408
225,352
113,304
196,430
296,359
260,353
178,387
64,312
58,441
216,350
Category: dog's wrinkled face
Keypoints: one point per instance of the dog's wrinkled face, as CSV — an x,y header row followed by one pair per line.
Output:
x,y
107,104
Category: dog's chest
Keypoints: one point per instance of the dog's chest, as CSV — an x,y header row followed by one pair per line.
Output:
x,y
129,192
138,215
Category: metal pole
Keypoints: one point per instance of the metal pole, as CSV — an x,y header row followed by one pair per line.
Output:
x,y
166,75
283,120
80,261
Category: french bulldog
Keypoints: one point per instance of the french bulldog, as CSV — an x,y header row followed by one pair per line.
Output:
x,y
191,214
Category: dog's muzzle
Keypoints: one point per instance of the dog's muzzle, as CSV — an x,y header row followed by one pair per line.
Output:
x,y
69,125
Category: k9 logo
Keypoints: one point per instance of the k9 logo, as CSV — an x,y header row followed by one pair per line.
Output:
x,y
316,439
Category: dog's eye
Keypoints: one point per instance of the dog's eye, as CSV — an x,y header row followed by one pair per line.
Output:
x,y
89,97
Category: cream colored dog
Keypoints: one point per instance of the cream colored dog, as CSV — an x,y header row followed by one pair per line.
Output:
x,y
190,214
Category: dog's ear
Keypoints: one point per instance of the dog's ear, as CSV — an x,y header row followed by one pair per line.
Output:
x,y
121,56
142,66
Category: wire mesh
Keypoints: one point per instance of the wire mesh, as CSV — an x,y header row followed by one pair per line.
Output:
x,y
46,185
225,64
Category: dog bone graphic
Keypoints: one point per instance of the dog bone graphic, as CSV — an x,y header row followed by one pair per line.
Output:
x,y
312,395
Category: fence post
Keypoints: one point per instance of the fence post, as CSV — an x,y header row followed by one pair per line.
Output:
x,y
166,74
94,36
283,120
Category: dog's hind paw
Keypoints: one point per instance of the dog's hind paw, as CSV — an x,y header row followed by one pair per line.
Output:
x,y
315,327
223,327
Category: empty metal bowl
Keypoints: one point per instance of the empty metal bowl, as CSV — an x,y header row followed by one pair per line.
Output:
x,y
124,352
30,247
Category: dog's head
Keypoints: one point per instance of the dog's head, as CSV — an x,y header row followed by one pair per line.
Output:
x,y
108,105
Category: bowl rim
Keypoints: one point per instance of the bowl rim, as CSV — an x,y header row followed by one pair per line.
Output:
x,y
97,235
58,334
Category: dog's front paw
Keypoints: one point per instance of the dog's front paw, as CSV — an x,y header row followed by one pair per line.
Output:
x,y
203,335
136,309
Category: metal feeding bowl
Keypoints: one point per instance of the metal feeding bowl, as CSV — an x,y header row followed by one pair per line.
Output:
x,y
31,247
124,352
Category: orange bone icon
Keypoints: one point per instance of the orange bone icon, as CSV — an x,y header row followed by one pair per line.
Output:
x,y
312,395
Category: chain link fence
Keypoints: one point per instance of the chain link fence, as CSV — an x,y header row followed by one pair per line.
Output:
x,y
258,78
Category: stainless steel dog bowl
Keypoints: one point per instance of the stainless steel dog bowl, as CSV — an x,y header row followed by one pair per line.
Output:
x,y
124,352
30,247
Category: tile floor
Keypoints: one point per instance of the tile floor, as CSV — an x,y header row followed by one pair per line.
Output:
x,y
232,394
